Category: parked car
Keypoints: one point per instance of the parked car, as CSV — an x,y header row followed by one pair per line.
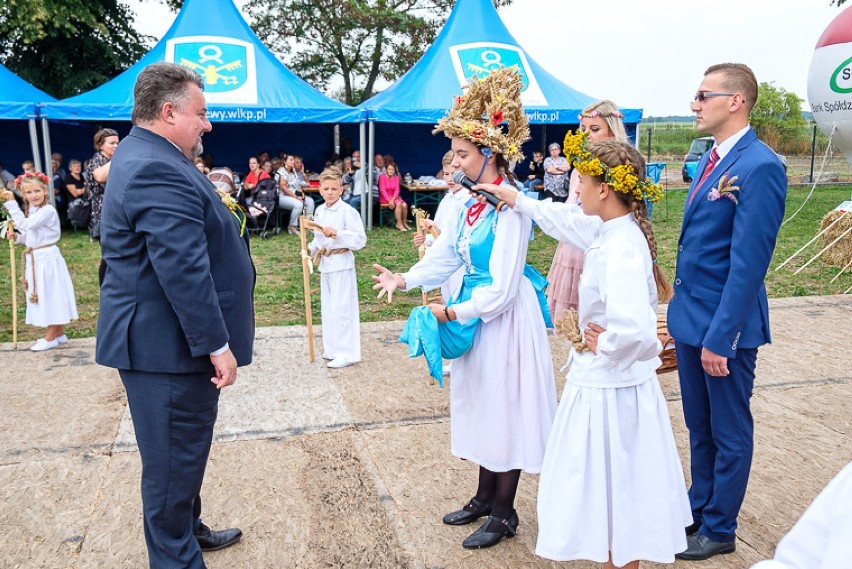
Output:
x,y
696,150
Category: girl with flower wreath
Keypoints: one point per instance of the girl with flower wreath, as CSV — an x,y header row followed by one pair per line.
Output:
x,y
503,395
611,487
602,120
50,292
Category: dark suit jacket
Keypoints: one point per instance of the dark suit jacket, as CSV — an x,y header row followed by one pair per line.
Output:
x,y
179,279
724,251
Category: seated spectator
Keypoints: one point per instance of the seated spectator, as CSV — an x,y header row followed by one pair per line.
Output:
x,y
356,178
536,175
199,163
7,179
255,174
28,167
75,184
291,195
389,197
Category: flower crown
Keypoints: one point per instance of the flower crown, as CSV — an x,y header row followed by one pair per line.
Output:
x,y
478,115
621,178
27,176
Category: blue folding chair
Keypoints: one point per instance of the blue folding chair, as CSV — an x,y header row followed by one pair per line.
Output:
x,y
654,171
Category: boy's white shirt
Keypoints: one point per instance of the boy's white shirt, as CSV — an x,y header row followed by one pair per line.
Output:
x,y
350,235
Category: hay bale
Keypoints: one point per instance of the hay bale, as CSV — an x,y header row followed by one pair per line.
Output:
x,y
841,252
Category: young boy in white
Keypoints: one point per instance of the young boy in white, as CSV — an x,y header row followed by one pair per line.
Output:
x,y
341,233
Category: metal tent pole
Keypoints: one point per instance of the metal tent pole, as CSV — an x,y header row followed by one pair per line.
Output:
x,y
48,161
370,154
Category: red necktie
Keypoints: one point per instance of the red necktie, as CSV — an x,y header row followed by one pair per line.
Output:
x,y
711,163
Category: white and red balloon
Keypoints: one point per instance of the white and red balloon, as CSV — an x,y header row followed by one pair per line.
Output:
x,y
830,82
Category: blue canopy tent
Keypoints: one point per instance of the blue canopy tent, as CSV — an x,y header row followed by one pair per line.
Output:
x,y
255,101
473,40
18,103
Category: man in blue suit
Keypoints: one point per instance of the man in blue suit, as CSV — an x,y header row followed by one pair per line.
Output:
x,y
176,310
719,315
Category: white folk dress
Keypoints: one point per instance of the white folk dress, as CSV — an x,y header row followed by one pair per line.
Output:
x,y
612,480
341,326
56,303
503,394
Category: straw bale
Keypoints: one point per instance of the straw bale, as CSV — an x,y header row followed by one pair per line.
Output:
x,y
841,252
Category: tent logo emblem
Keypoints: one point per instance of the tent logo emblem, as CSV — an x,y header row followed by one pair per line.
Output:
x,y
218,75
478,59
227,66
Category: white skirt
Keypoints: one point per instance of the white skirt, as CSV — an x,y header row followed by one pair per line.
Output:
x,y
56,303
612,480
503,394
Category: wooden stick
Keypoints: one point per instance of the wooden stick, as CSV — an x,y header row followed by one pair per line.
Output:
x,y
419,217
837,276
11,227
824,249
311,224
818,235
306,281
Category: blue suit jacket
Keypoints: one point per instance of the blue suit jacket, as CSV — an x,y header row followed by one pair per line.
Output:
x,y
179,279
724,251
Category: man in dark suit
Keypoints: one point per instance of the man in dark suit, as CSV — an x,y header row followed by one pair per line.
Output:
x,y
176,311
719,315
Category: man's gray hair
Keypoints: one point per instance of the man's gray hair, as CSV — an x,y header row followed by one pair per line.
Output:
x,y
158,84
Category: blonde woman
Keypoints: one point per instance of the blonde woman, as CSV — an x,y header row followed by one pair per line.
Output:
x,y
602,120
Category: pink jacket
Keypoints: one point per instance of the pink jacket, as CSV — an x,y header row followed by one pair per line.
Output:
x,y
388,188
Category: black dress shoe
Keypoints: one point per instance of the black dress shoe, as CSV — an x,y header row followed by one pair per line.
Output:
x,y
210,540
470,513
492,531
692,529
700,547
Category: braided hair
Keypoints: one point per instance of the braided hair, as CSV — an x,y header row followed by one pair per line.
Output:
x,y
613,153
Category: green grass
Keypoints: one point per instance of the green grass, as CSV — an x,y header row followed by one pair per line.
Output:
x,y
279,298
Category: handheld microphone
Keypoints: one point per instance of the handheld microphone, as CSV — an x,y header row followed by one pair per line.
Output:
x,y
462,180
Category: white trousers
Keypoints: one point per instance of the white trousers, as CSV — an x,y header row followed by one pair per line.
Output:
x,y
341,326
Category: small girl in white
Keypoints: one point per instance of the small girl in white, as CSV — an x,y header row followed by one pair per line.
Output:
x,y
50,293
447,219
611,487
342,232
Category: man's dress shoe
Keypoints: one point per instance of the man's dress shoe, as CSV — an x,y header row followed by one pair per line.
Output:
x,y
500,528
470,513
700,547
211,540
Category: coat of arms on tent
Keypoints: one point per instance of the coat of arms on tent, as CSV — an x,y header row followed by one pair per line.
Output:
x,y
225,64
481,57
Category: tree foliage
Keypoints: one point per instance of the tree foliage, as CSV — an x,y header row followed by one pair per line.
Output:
x,y
777,115
358,41
70,46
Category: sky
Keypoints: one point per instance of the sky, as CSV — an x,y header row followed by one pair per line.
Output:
x,y
648,54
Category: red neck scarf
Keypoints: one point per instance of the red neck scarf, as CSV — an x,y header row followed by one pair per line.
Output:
x,y
474,211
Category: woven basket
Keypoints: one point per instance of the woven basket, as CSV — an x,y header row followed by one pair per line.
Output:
x,y
668,354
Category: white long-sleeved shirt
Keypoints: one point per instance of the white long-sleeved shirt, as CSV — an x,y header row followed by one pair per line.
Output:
x,y
40,228
617,291
350,235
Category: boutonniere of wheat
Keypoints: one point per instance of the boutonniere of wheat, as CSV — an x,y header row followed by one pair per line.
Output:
x,y
725,189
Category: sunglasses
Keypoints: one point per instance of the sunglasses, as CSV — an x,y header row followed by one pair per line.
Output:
x,y
702,96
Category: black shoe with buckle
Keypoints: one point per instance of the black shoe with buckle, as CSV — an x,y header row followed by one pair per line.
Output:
x,y
700,547
492,531
470,513
211,540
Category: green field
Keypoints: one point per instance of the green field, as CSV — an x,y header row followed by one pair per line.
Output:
x,y
279,298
